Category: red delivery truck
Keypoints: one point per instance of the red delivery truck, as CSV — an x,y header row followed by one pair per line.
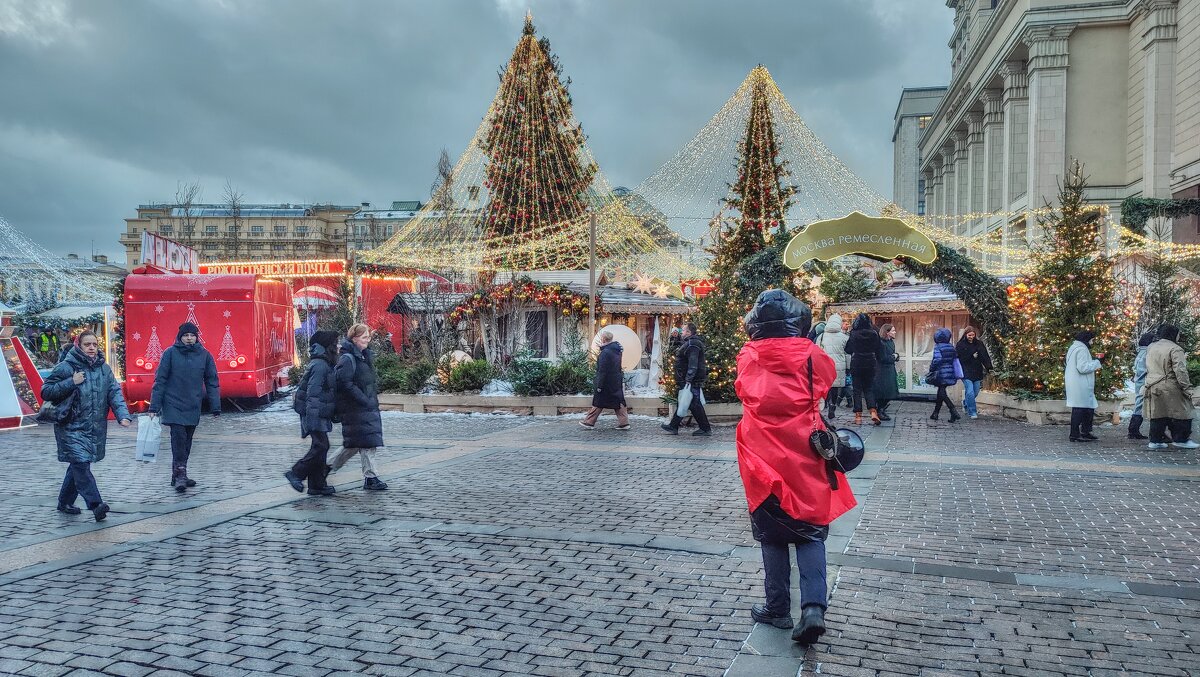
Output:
x,y
246,322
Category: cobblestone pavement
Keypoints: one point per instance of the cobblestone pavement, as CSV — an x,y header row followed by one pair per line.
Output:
x,y
526,546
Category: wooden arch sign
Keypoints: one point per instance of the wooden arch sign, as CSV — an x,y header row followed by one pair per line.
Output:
x,y
877,237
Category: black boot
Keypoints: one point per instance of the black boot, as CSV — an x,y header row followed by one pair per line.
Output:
x,y
101,512
954,417
179,478
374,484
936,412
1135,427
760,614
673,426
812,625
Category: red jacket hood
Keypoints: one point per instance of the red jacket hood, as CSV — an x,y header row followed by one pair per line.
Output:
x,y
780,411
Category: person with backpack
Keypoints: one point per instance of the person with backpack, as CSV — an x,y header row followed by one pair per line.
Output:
x,y
793,493
186,376
942,373
358,406
315,402
85,387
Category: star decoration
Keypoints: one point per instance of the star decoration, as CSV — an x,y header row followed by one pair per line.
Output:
x,y
203,292
662,291
226,313
137,336
642,284
158,309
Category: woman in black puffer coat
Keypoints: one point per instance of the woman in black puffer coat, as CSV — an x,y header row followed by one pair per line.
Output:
x,y
863,349
358,406
315,402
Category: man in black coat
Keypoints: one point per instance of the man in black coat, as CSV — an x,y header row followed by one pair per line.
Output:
x,y
186,376
609,385
690,374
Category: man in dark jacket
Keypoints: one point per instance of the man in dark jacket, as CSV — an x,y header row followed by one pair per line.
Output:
x,y
315,402
609,385
690,374
863,349
358,406
976,363
186,376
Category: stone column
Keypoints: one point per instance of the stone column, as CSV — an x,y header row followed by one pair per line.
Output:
x,y
993,150
949,182
933,206
962,174
1047,111
1158,121
927,174
976,168
1016,131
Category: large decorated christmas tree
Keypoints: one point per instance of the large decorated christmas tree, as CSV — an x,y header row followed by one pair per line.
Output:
x,y
761,196
1071,288
536,177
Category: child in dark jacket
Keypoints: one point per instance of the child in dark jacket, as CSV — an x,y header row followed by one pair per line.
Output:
x,y
315,401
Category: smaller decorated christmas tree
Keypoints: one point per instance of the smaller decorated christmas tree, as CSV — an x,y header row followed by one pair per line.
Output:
x,y
227,353
191,317
154,349
1071,288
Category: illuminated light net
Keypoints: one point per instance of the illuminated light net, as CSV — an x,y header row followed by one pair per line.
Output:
x,y
523,191
25,265
692,187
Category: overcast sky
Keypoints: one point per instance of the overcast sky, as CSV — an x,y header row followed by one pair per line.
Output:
x,y
110,103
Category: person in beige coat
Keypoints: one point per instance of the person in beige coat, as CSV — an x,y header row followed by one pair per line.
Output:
x,y
1168,396
833,342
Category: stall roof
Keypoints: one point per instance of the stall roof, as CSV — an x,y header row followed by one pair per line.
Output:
x,y
412,303
618,299
71,312
905,298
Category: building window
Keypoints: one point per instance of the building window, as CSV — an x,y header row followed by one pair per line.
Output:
x,y
165,230
920,197
388,230
278,247
923,121
210,246
189,230
211,230
537,332
281,230
232,228
256,230
302,230
256,246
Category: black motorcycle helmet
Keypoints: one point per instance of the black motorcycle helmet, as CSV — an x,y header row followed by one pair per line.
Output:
x,y
777,314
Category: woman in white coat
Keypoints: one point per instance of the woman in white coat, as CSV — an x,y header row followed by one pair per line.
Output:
x,y
1080,382
833,342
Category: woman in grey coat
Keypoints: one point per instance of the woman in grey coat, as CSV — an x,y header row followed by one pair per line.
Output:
x,y
83,434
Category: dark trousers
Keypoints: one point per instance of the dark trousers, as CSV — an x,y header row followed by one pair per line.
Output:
x,y
943,398
181,448
1180,428
696,409
312,466
777,569
1082,419
863,382
1135,425
79,481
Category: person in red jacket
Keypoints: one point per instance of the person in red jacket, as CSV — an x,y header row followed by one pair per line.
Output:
x,y
792,492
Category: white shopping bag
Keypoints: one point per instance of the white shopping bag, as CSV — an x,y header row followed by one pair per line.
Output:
x,y
685,402
149,434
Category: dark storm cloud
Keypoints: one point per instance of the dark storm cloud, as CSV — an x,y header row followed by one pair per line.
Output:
x,y
108,103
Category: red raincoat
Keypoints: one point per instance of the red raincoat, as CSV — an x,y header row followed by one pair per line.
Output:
x,y
780,413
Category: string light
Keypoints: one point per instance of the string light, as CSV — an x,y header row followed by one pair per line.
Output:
x,y
28,267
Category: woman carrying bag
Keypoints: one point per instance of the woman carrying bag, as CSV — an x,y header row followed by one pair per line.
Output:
x,y
792,491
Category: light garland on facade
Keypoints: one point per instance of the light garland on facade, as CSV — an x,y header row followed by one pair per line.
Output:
x,y
26,265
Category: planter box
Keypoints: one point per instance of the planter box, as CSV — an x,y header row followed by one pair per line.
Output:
x,y
1041,412
723,412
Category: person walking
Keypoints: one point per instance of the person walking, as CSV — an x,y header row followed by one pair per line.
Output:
x,y
609,384
1139,381
691,372
833,342
358,406
315,402
1168,392
976,363
887,383
863,349
1079,380
942,373
793,494
81,436
185,377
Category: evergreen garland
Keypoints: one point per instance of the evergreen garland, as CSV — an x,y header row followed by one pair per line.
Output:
x,y
1137,211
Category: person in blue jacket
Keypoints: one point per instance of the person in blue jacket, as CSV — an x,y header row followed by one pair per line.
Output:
x,y
315,401
83,434
941,373
186,376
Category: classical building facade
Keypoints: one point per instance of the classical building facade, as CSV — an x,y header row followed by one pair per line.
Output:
x,y
255,232
913,115
1037,83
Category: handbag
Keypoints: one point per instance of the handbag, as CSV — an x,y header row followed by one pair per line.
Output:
x,y
59,413
149,434
958,371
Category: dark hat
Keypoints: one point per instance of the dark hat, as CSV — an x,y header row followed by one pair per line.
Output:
x,y
325,338
777,314
1169,332
1085,337
187,328
1146,339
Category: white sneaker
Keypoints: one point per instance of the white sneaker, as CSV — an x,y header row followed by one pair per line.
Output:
x,y
1185,445
1157,445
592,427
974,416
